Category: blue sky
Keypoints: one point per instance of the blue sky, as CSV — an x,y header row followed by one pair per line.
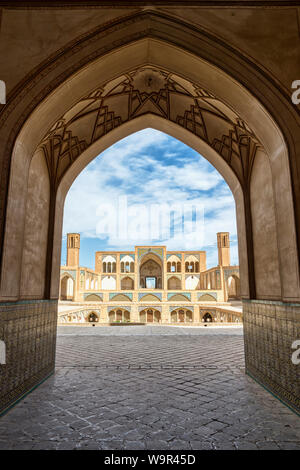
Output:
x,y
149,189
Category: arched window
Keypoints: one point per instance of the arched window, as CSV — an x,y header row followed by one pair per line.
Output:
x,y
132,267
169,267
178,267
197,267
122,267
104,267
113,267
186,266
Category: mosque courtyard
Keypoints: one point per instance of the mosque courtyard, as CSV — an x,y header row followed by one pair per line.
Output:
x,y
152,388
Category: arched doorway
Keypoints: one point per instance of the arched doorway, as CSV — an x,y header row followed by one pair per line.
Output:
x,y
233,287
250,150
151,272
207,318
93,317
67,288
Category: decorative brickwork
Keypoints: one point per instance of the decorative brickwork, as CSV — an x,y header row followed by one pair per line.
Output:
x,y
270,328
28,329
150,90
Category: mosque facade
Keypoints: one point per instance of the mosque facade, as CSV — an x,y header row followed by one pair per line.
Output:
x,y
149,285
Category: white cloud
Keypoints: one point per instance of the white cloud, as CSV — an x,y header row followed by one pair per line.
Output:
x,y
150,168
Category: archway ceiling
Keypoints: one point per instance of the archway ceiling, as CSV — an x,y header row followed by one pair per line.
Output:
x,y
149,89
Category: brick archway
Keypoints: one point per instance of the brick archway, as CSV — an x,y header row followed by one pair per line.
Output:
x,y
218,117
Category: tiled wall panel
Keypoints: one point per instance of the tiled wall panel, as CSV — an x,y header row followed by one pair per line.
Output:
x,y
28,329
270,328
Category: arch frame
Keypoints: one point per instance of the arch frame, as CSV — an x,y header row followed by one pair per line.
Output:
x,y
258,98
287,256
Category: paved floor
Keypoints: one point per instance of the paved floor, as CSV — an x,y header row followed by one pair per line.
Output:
x,y
150,388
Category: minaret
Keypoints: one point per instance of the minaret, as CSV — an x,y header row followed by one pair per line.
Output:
x,y
73,246
223,248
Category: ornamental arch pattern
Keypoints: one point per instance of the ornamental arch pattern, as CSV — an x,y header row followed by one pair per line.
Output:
x,y
156,91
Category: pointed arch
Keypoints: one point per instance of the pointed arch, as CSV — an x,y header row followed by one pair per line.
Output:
x,y
206,298
174,283
188,51
127,283
67,288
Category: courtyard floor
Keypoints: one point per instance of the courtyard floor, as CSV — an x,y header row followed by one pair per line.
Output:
x,y
150,388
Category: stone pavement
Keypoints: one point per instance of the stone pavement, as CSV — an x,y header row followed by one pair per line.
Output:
x,y
149,388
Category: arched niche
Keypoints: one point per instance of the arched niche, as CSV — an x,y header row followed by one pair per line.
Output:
x,y
265,237
108,283
151,267
36,229
26,271
67,288
93,298
174,283
127,283
192,282
233,287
